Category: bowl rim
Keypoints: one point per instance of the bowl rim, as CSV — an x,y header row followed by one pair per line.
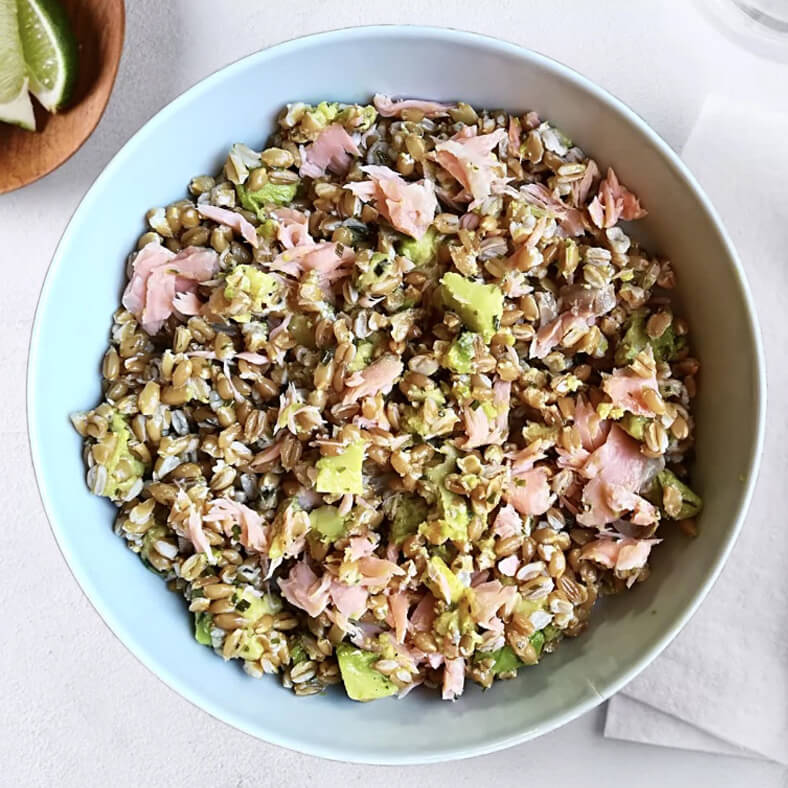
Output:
x,y
672,160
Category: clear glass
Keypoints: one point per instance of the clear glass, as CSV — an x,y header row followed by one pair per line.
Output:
x,y
758,25
773,14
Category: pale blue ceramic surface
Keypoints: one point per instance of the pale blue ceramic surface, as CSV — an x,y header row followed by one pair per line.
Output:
x,y
191,136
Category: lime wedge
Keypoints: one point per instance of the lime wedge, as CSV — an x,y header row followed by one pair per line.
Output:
x,y
15,104
50,51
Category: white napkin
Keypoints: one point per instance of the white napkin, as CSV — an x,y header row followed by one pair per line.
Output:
x,y
722,685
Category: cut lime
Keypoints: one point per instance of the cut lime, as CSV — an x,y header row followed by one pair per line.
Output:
x,y
19,110
15,105
50,51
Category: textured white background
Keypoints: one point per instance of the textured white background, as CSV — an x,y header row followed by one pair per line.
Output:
x,y
75,707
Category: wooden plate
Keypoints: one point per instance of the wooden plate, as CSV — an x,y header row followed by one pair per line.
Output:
x,y
26,156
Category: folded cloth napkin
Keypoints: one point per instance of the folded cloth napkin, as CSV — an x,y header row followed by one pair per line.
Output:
x,y
722,685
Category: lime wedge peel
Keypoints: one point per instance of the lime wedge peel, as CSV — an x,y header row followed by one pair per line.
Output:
x,y
15,104
49,49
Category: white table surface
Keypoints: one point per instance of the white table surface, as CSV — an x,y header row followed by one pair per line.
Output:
x,y
77,708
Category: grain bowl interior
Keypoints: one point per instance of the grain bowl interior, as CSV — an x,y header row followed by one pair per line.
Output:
x,y
394,399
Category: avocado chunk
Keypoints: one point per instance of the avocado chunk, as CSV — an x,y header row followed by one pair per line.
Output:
x,y
298,653
379,267
533,431
253,607
453,509
691,502
342,473
537,641
324,113
461,354
328,522
551,632
422,251
479,306
357,117
407,513
123,468
636,339
362,681
252,647
634,425
365,350
413,421
504,660
439,578
203,623
262,288
455,622
453,524
270,194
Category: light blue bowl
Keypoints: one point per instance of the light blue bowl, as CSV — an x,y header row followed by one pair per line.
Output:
x,y
191,136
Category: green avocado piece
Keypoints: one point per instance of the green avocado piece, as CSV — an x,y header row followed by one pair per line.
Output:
x,y
533,430
262,288
691,502
408,512
413,421
365,350
252,647
461,354
505,660
270,194
121,478
430,391
362,681
342,474
253,607
360,117
479,306
298,653
454,517
550,632
455,623
537,641
634,425
452,507
438,473
324,113
379,266
437,569
203,623
635,339
422,251
328,522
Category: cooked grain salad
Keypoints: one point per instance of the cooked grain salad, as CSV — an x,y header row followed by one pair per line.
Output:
x,y
393,401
